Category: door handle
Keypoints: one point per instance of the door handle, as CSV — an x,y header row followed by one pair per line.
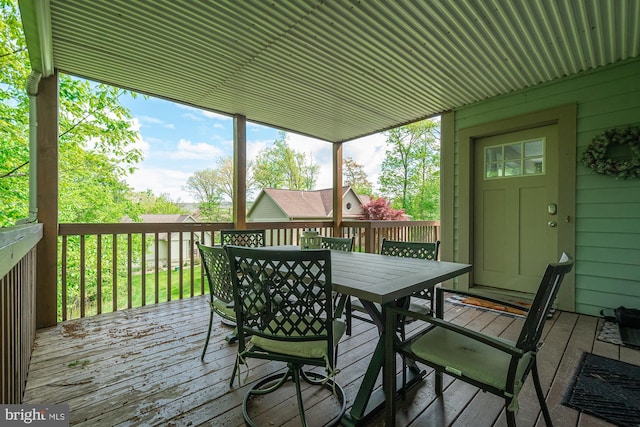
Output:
x,y
552,224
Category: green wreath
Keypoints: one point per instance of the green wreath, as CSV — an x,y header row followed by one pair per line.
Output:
x,y
595,156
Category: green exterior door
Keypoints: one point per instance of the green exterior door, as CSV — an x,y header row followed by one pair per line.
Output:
x,y
515,208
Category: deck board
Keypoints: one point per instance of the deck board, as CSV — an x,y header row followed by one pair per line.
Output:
x,y
142,367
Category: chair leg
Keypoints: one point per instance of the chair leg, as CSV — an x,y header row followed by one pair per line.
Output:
x,y
206,342
511,417
348,316
540,394
296,379
438,383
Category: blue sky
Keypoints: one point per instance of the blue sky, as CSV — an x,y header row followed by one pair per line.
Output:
x,y
178,140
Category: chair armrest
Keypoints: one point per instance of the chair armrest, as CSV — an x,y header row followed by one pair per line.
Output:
x,y
440,297
485,339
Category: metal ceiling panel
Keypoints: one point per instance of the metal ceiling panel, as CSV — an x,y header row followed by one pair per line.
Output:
x,y
336,69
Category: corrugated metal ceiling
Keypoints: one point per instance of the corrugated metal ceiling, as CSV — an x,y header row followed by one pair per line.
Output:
x,y
337,69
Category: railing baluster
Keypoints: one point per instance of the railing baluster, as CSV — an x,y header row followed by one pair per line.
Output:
x,y
99,274
63,280
129,272
169,268
157,270
82,276
143,269
114,271
180,264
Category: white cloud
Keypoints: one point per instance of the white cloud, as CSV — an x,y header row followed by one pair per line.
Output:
x,y
155,121
212,115
161,181
369,151
189,150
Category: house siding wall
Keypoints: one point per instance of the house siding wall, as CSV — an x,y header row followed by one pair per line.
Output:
x,y
355,205
607,210
266,209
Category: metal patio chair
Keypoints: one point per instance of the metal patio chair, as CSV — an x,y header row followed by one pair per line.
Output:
x,y
419,250
282,300
216,267
342,302
493,364
248,238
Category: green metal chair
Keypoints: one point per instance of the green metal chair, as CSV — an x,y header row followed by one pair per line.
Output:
x,y
216,267
496,365
248,238
342,302
420,250
344,244
281,300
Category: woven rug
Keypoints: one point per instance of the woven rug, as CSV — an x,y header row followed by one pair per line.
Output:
x,y
461,300
607,389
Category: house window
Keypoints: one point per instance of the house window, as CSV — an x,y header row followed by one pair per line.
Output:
x,y
514,159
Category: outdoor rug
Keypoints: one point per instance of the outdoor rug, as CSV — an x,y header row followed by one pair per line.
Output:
x,y
480,304
610,333
607,389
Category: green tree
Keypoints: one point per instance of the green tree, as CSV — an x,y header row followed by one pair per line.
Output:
x,y
354,176
204,186
14,117
149,203
410,172
279,166
96,152
95,139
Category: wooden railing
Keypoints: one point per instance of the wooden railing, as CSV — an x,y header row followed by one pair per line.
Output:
x,y
109,267
18,307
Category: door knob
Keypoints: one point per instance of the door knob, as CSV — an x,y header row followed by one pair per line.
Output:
x,y
552,224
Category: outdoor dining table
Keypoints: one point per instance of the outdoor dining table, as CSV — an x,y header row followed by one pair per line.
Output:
x,y
384,280
379,281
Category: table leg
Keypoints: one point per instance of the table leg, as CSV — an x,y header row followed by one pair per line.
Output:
x,y
367,401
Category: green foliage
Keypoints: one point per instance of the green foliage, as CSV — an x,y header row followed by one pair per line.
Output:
x,y
354,176
279,166
149,203
14,117
410,173
205,186
95,139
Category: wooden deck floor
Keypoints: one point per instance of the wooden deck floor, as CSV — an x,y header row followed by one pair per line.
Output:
x,y
142,367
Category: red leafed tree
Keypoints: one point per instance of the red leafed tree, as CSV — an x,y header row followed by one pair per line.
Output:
x,y
380,209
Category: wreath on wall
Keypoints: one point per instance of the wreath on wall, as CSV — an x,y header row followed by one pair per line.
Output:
x,y
595,156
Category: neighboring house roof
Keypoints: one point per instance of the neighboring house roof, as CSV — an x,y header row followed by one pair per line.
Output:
x,y
300,204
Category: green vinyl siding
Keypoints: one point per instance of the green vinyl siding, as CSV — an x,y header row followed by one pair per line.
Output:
x,y
607,210
265,209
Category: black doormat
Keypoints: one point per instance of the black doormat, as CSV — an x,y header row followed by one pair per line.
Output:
x,y
606,388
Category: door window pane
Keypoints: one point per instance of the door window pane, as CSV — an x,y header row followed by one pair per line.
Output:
x,y
515,159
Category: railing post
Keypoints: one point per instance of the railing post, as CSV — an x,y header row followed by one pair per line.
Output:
x,y
369,239
47,188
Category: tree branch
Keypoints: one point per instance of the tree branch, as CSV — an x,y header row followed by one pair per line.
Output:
x,y
11,172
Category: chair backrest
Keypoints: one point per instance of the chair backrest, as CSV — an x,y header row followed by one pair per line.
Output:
x,y
420,250
542,303
283,294
216,267
248,238
344,244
